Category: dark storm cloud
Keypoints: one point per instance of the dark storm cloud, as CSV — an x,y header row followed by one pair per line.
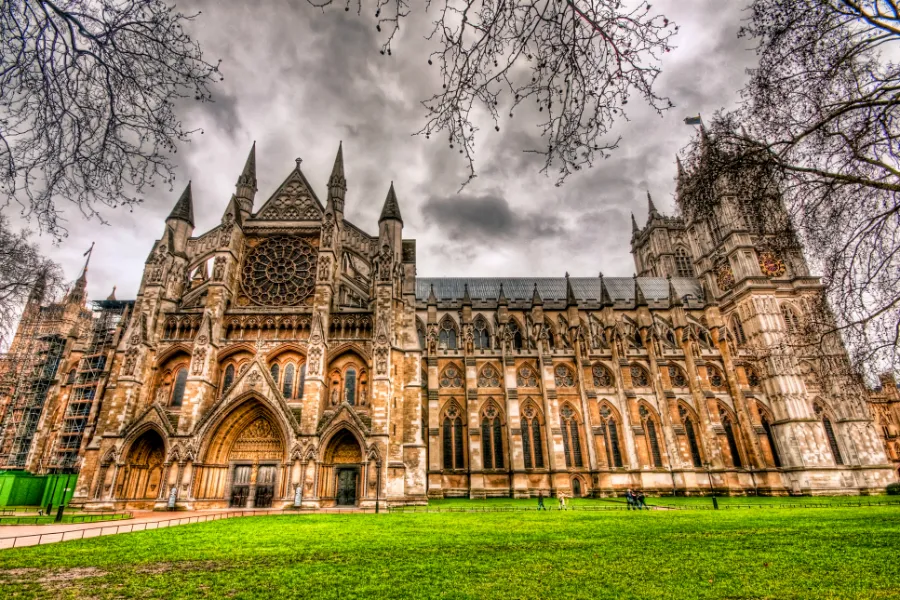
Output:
x,y
487,218
299,81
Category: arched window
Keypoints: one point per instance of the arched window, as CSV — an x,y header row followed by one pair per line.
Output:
x,y
737,330
639,377
602,376
829,433
752,377
450,377
691,436
488,377
516,334
482,337
178,388
677,377
610,430
491,437
447,335
532,444
287,384
683,266
564,377
791,320
274,371
453,439
228,379
571,439
526,377
652,438
728,426
350,386
770,437
302,381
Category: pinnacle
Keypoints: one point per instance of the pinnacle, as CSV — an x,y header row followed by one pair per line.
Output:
x,y
338,169
639,299
674,298
112,295
605,298
650,206
571,300
391,209
536,299
184,208
248,175
634,225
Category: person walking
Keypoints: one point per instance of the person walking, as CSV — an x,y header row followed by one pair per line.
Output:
x,y
642,500
541,501
629,497
562,500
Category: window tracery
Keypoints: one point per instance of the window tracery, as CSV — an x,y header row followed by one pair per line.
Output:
x,y
602,376
728,426
737,329
639,377
716,380
526,377
677,377
482,336
515,334
683,266
447,337
279,271
791,320
564,377
450,377
488,377
752,377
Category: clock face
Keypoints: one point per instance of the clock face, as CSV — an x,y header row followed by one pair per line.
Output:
x,y
724,277
771,264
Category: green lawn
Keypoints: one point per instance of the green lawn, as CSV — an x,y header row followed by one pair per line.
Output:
x,y
777,553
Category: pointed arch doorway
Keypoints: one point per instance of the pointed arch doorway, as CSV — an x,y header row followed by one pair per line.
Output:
x,y
343,469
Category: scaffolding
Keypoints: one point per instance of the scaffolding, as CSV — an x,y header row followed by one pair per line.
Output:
x,y
87,383
28,375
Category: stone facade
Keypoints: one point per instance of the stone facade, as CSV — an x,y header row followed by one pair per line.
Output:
x,y
286,357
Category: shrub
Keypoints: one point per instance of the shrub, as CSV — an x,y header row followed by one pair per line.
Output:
x,y
893,489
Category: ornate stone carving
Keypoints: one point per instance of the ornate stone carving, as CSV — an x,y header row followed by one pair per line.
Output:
x,y
280,271
219,269
199,362
292,203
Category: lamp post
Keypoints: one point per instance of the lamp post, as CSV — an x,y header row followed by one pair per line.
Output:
x,y
711,490
377,485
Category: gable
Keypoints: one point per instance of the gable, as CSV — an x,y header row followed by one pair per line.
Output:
x,y
294,200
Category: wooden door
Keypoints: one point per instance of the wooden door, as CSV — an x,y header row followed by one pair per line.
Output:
x,y
346,492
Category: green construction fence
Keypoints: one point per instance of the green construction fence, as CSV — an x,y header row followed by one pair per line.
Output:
x,y
21,488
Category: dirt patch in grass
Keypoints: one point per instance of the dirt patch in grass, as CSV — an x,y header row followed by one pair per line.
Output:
x,y
160,568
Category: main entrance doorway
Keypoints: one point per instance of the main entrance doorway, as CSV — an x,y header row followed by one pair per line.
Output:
x,y
240,485
346,486
265,486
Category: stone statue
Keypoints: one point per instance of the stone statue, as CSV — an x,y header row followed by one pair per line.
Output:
x,y
298,495
173,495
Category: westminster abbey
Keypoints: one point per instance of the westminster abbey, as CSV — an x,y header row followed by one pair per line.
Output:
x,y
288,357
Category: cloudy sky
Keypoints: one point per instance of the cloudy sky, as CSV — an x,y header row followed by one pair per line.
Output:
x,y
298,81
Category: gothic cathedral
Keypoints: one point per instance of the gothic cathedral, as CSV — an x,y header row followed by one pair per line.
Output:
x,y
289,358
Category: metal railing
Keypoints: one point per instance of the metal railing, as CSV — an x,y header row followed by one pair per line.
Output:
x,y
66,519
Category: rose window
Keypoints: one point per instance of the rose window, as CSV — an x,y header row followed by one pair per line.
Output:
x,y
281,271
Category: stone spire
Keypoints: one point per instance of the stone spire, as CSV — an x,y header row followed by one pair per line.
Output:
x,y
245,189
639,299
536,299
337,183
605,298
391,208
112,295
651,208
634,226
571,300
79,290
184,208
39,288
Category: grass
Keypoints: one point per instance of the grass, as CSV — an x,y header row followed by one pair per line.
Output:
x,y
777,553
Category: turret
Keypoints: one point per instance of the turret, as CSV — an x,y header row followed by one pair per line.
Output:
x,y
390,224
337,186
180,222
245,189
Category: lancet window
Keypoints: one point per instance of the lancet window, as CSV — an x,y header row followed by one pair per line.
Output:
x,y
571,438
349,383
737,330
491,437
610,428
829,433
481,333
516,334
453,434
447,337
650,429
532,442
770,436
729,426
228,378
683,266
691,433
791,320
178,387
